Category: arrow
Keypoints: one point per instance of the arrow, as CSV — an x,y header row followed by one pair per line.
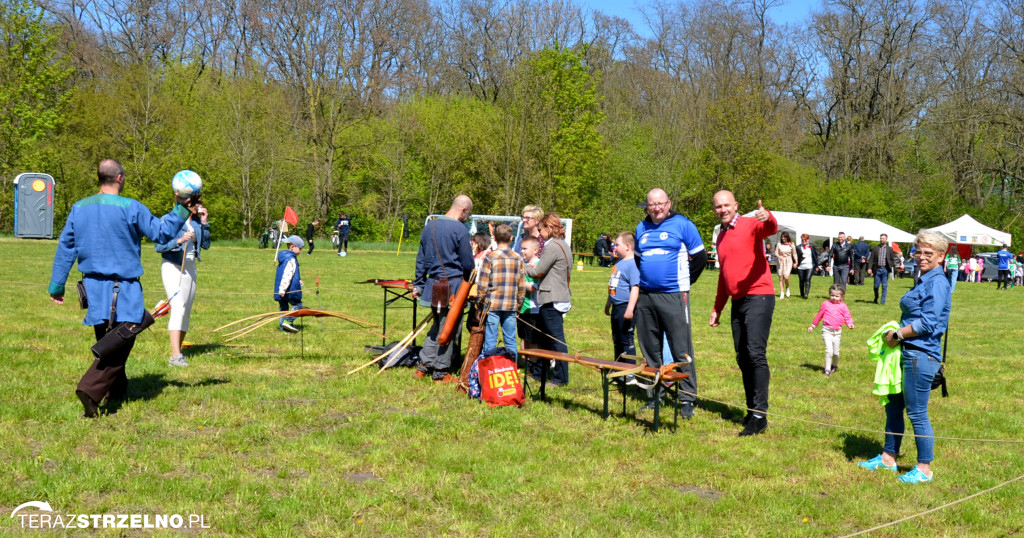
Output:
x,y
42,505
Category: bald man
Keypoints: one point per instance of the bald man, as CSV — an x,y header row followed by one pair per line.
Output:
x,y
444,253
746,278
103,234
670,256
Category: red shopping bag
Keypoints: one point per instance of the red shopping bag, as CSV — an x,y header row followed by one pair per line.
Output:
x,y
499,381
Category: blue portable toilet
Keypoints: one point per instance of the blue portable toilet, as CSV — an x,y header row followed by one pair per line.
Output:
x,y
33,205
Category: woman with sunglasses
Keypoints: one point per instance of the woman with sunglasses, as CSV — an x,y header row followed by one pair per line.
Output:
x,y
925,314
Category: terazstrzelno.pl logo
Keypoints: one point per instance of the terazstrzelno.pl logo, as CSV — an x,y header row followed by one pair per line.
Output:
x,y
45,518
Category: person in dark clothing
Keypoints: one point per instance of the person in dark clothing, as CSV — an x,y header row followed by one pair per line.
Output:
x,y
807,259
444,254
861,251
841,254
344,227
309,234
603,250
881,263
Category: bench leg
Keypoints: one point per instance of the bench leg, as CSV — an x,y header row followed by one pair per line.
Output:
x,y
657,407
675,414
604,387
545,365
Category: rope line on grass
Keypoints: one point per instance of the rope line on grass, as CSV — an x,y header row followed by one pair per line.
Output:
x,y
936,509
814,422
852,428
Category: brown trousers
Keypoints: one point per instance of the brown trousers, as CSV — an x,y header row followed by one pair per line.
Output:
x,y
106,378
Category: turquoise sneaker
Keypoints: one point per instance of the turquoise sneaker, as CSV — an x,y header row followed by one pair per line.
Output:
x,y
915,476
876,463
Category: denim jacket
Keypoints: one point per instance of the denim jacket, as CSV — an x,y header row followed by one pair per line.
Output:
x,y
171,250
926,309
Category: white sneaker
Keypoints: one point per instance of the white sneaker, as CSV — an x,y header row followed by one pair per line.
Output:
x,y
343,253
340,254
288,327
178,360
787,292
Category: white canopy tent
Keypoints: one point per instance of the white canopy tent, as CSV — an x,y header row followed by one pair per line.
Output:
x,y
967,231
821,227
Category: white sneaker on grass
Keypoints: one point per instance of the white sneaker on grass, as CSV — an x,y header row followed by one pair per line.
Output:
x,y
178,360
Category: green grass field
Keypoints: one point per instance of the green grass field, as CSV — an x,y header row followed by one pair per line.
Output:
x,y
268,436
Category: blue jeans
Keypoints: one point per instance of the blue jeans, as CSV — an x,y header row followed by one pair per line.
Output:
x,y
882,279
918,371
952,279
284,305
506,319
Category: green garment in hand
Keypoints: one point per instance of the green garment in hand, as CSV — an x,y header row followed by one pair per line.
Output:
x,y
889,370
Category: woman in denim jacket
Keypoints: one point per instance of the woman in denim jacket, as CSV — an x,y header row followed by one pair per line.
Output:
x,y
925,314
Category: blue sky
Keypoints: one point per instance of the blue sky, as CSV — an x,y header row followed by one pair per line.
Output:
x,y
792,11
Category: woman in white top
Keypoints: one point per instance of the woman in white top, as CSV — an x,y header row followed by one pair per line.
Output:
x,y
178,272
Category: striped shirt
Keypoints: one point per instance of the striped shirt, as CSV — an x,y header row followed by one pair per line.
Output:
x,y
502,281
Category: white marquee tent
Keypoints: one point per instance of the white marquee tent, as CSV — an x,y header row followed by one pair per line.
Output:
x,y
967,231
828,226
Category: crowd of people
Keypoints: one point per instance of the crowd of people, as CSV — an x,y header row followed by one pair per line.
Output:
x,y
524,291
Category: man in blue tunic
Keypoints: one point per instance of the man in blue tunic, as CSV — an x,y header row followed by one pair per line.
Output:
x,y
670,256
103,234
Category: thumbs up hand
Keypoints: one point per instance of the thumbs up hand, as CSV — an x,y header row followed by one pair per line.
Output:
x,y
762,214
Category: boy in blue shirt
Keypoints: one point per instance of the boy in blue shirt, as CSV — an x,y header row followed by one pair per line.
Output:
x,y
287,283
623,292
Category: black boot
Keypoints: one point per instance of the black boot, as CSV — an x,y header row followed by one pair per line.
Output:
x,y
755,426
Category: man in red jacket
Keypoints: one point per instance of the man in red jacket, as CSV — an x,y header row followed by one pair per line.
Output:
x,y
746,278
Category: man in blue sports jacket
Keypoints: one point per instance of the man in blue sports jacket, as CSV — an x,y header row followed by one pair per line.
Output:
x,y
670,256
104,234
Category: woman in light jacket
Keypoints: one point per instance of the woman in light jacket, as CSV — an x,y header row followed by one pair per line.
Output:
x,y
179,283
785,255
552,276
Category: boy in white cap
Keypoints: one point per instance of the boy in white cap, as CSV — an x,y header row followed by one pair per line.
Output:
x,y
288,284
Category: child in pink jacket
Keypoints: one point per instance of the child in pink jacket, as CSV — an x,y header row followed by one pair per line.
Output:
x,y
834,313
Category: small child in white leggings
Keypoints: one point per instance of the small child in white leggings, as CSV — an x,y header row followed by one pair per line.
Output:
x,y
833,313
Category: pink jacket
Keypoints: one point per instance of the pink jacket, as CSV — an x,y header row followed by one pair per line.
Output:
x,y
834,314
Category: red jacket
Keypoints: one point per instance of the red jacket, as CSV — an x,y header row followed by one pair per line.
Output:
x,y
744,269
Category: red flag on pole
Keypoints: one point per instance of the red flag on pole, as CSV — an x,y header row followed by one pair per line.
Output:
x,y
290,217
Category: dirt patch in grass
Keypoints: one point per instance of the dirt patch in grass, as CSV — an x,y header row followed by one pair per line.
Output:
x,y
406,412
707,494
359,478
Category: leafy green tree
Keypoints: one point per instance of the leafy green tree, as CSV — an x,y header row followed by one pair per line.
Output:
x,y
34,89
575,149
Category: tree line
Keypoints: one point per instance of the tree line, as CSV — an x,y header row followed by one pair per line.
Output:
x,y
903,110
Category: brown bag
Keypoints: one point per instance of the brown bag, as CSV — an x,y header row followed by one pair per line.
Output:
x,y
439,294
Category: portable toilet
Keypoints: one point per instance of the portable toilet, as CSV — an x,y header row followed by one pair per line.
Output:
x,y
33,205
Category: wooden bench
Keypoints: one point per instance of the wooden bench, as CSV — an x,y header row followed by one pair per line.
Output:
x,y
585,256
666,377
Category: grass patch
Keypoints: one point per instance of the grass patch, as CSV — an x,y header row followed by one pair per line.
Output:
x,y
267,436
